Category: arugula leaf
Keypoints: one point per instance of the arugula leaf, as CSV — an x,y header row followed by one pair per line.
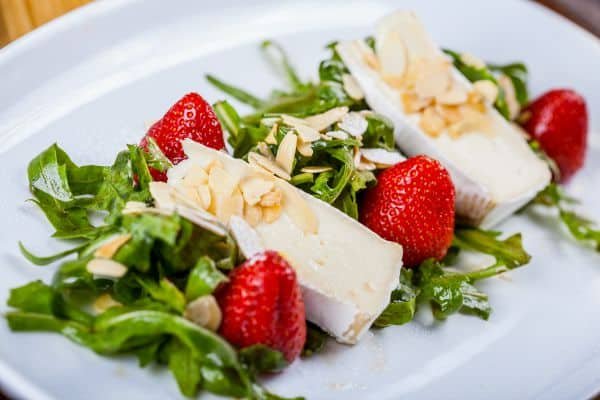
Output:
x,y
508,252
37,260
163,291
279,59
581,228
184,367
154,156
402,305
235,92
316,339
203,279
517,73
260,359
380,133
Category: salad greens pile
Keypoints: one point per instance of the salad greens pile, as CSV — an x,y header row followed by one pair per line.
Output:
x,y
340,181
171,262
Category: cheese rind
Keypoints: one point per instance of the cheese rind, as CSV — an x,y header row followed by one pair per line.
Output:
x,y
346,272
494,171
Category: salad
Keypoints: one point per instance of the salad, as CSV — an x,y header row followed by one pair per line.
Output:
x,y
225,246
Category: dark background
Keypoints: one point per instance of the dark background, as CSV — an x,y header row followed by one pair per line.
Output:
x,y
586,13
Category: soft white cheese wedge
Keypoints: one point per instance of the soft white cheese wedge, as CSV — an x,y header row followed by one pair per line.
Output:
x,y
493,169
346,271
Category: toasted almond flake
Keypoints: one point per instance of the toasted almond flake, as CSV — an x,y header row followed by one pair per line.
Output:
x,y
147,210
221,182
110,247
392,54
186,196
195,176
357,156
292,121
366,113
192,194
475,101
267,165
134,205
162,195
455,95
205,312
270,139
325,137
252,214
272,198
354,123
450,114
298,209
365,165
433,83
270,214
487,89
265,150
316,169
352,88
337,135
253,188
412,103
104,302
305,149
226,206
431,122
322,121
246,238
204,196
286,152
472,61
307,134
106,268
202,219
382,156
510,96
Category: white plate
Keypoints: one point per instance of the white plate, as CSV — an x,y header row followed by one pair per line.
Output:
x,y
92,79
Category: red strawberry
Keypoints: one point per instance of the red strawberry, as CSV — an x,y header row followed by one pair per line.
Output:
x,y
262,304
191,117
559,122
412,204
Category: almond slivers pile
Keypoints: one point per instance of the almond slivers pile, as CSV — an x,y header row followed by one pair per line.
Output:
x,y
428,88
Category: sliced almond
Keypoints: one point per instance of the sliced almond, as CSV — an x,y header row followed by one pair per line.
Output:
x,y
433,83
105,268
354,123
202,219
472,61
413,103
135,205
162,195
187,196
305,149
510,96
146,210
226,206
450,114
205,312
246,238
265,150
270,139
431,122
315,169
204,196
253,188
454,96
298,209
272,198
292,121
321,121
392,54
267,165
271,214
110,247
286,152
487,89
352,88
381,156
195,176
337,135
221,182
307,134
104,302
252,214
370,58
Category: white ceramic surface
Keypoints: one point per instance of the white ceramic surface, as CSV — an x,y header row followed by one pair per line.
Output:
x,y
92,79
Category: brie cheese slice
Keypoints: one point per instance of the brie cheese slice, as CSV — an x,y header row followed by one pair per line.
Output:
x,y
492,167
346,271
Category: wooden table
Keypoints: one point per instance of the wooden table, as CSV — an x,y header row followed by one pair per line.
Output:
x,y
17,17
